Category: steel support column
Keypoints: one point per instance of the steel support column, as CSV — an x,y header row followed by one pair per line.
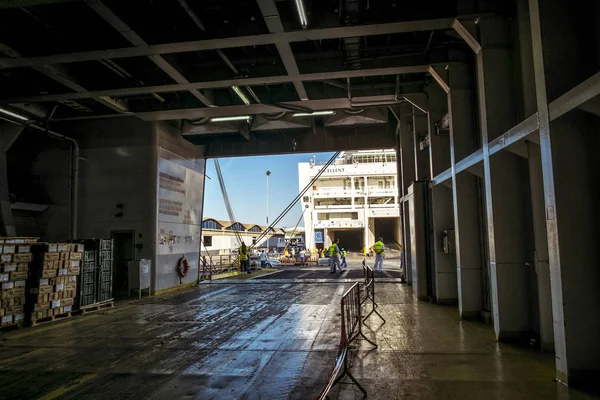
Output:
x,y
569,169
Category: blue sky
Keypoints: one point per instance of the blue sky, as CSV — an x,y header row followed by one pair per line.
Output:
x,y
246,186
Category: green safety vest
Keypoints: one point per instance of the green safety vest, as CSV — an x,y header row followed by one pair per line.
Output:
x,y
344,253
378,247
333,250
243,256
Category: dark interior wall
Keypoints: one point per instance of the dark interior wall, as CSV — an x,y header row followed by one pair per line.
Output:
x,y
351,240
387,229
117,179
115,168
117,184
38,172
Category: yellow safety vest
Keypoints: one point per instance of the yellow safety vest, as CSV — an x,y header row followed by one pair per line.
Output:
x,y
344,253
378,246
243,256
332,250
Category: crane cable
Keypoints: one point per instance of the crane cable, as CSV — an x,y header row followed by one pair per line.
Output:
x,y
295,229
226,200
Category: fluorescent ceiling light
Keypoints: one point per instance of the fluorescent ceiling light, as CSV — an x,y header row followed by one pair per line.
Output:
x,y
235,118
314,113
12,114
301,13
240,94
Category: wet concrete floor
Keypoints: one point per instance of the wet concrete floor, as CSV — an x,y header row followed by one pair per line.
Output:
x,y
268,339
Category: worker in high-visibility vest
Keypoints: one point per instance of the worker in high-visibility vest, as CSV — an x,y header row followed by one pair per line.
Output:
x,y
379,249
334,257
344,263
244,262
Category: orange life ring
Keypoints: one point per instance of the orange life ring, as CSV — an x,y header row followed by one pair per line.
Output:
x,y
182,267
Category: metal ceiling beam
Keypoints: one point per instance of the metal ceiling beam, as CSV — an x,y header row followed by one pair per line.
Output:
x,y
241,41
4,4
252,109
59,75
220,84
226,60
113,20
273,21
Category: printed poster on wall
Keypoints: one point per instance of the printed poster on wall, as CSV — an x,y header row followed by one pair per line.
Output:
x,y
179,208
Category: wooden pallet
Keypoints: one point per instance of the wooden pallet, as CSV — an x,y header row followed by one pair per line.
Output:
x,y
53,318
96,307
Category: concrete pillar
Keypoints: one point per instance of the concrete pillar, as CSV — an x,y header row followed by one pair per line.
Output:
x,y
439,143
371,232
569,147
407,150
418,239
542,265
406,161
309,228
445,284
508,209
366,221
445,276
420,132
8,134
465,192
352,190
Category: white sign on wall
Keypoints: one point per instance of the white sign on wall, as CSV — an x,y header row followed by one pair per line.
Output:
x,y
179,208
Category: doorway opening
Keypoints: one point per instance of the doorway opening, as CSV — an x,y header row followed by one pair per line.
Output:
x,y
388,229
350,240
123,252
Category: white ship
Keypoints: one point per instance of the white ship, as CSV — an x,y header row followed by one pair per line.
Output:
x,y
355,200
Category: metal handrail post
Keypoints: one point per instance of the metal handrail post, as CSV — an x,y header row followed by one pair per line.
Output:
x,y
371,295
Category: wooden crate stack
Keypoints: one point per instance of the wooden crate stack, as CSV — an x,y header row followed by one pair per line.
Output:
x,y
15,255
52,282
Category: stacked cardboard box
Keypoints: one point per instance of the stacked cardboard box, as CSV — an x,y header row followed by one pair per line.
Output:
x,y
15,255
53,280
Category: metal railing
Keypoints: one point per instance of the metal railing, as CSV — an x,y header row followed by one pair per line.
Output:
x,y
369,289
351,329
219,264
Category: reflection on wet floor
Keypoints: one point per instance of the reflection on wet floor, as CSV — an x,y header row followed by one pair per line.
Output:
x,y
268,341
